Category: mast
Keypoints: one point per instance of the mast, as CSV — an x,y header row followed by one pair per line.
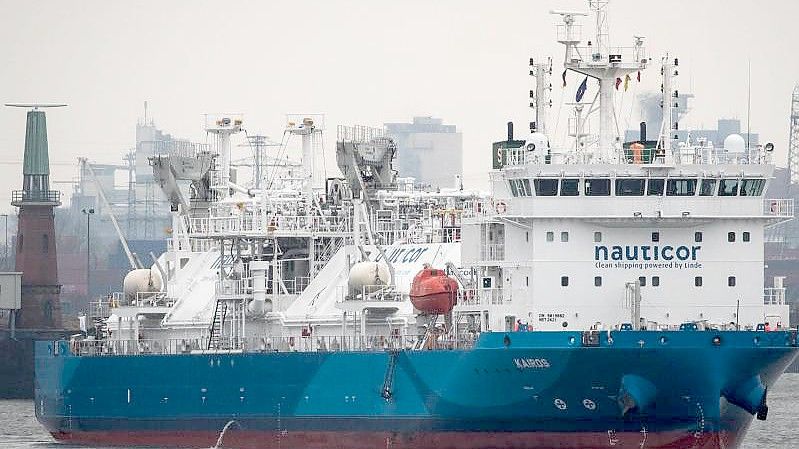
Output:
x,y
600,61
222,127
540,97
667,103
309,128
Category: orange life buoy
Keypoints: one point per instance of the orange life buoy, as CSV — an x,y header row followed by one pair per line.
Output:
x,y
500,207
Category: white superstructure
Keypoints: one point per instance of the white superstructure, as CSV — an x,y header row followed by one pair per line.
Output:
x,y
600,234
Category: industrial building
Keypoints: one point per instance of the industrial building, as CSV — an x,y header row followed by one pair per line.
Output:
x,y
428,151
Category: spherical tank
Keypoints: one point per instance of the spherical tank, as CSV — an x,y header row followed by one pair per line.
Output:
x,y
141,280
368,275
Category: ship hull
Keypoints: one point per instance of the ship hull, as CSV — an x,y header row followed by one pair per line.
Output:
x,y
249,439
531,390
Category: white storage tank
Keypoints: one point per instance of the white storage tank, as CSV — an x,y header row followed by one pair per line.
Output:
x,y
368,276
142,280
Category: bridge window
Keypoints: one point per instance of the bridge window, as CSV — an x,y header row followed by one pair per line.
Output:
x,y
730,236
698,281
728,187
597,236
698,236
546,187
630,187
570,187
656,236
564,236
708,187
642,281
513,190
597,187
520,187
597,281
564,281
752,187
655,281
524,190
655,187
746,236
731,281
681,187
550,236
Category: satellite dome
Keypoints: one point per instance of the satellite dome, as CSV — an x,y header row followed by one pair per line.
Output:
x,y
734,143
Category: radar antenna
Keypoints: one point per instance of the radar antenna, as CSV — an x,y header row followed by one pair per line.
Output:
x,y
35,106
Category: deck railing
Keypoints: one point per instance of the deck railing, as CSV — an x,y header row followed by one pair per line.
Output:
x,y
309,343
382,293
493,251
774,296
35,196
482,296
215,226
782,207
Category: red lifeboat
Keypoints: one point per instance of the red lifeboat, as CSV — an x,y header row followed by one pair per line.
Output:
x,y
433,292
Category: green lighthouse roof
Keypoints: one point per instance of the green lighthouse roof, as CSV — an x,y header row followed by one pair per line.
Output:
x,y
37,160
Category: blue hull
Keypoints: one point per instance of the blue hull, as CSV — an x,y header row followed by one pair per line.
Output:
x,y
516,390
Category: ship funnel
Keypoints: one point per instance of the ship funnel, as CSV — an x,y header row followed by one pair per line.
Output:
x,y
510,131
642,138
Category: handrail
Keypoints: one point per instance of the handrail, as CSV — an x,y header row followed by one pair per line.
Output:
x,y
45,196
300,343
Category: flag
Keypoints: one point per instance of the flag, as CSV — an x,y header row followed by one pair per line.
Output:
x,y
639,76
581,90
618,81
564,78
626,81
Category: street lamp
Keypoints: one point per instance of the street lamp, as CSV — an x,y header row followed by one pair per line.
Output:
x,y
88,212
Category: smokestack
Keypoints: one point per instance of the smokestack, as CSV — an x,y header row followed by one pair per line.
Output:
x,y
643,132
510,131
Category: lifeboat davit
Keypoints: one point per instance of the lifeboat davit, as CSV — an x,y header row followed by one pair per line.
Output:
x,y
433,292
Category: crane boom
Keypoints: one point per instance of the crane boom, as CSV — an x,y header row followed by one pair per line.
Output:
x,y
107,207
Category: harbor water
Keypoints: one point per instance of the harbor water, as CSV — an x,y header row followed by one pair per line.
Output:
x,y
19,429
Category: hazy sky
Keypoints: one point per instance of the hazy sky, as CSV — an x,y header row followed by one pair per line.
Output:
x,y
359,62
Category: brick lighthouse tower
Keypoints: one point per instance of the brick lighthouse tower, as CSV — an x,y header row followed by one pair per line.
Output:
x,y
36,243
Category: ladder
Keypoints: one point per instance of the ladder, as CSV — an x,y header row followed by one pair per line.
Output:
x,y
215,333
326,251
388,381
429,331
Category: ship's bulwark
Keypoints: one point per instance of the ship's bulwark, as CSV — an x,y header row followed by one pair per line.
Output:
x,y
542,390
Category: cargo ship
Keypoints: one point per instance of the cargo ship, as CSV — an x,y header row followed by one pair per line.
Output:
x,y
601,295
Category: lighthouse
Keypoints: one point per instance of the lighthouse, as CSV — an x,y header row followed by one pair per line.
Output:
x,y
36,243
